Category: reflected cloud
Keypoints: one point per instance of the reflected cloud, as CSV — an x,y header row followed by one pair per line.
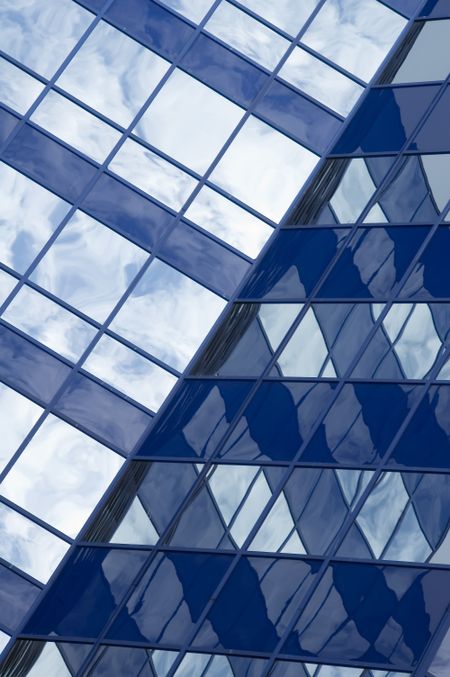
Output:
x,y
290,15
18,90
18,415
7,284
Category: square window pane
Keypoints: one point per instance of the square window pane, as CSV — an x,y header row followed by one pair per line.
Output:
x,y
247,35
230,223
195,11
113,73
18,415
189,121
168,315
75,126
28,216
321,81
264,168
41,34
89,266
49,323
28,546
290,15
129,372
61,475
356,34
152,174
18,89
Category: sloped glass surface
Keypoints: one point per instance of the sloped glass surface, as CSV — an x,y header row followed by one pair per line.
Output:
x,y
18,89
429,57
18,414
286,14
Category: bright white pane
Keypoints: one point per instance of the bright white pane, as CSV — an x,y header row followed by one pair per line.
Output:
x,y
290,15
89,266
353,193
75,126
152,174
250,510
18,90
320,81
229,484
49,323
49,663
28,546
61,475
306,352
247,35
168,315
264,168
113,73
18,415
189,121
276,528
28,216
230,223
194,10
129,372
7,284
136,527
4,639
41,34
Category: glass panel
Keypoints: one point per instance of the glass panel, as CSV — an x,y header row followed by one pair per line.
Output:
x,y
429,57
264,168
290,15
152,174
441,662
321,81
168,314
28,546
61,475
75,126
49,323
49,663
362,33
89,266
229,222
247,35
306,354
127,371
7,284
41,34
113,73
18,89
4,639
353,193
17,416
195,11
189,121
28,216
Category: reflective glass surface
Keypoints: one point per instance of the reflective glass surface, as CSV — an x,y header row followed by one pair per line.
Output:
x,y
194,11
429,57
285,14
23,413
18,89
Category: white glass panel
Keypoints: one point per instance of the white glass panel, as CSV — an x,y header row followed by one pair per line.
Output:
x,y
18,90
356,34
321,81
229,484
250,510
264,168
229,222
41,34
193,664
129,372
276,318
136,527
194,10
49,323
152,174
168,315
49,664
28,546
163,661
306,351
353,483
290,15
4,639
353,193
28,216
61,475
189,121
436,169
17,416
89,266
76,126
409,543
113,73
247,35
7,284
276,528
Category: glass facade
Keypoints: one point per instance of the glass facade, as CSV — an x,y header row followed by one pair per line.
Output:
x,y
224,336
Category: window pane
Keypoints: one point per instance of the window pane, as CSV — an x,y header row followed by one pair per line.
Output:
x,y
429,57
18,89
18,415
7,284
195,11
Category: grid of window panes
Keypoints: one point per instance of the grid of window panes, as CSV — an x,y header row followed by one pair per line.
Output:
x,y
148,151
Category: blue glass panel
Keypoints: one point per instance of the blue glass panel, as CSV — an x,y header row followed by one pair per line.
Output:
x,y
7,124
74,654
431,501
178,585
216,66
298,116
206,260
372,263
49,163
385,120
28,368
436,8
127,212
294,263
426,440
94,5
431,275
257,602
116,660
103,413
361,424
435,134
86,592
406,7
152,25
278,420
16,597
382,615
196,420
